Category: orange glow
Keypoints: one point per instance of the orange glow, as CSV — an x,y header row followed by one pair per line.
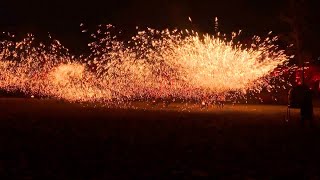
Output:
x,y
154,64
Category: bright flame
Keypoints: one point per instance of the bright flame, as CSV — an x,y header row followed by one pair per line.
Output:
x,y
152,65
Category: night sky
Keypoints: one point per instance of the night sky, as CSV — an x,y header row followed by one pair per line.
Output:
x,y
62,18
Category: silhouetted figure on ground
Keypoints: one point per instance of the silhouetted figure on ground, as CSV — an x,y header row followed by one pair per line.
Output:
x,y
220,101
306,107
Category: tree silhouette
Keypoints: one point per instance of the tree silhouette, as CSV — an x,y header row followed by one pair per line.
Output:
x,y
294,16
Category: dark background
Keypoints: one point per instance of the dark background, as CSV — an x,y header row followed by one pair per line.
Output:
x,y
62,18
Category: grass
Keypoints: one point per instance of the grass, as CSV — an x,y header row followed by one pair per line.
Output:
x,y
42,139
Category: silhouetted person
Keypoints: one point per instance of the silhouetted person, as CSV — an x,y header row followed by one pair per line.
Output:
x,y
306,107
220,100
295,96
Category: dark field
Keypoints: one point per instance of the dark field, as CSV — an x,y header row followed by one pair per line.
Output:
x,y
47,139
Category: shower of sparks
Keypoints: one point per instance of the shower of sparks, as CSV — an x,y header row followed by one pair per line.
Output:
x,y
216,24
167,65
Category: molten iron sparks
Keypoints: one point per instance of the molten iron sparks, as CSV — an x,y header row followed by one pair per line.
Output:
x,y
152,65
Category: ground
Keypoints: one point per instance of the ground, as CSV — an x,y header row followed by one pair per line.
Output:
x,y
48,139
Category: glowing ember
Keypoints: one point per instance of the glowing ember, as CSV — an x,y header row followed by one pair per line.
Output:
x,y
165,65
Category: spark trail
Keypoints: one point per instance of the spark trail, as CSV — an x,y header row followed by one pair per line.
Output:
x,y
154,64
